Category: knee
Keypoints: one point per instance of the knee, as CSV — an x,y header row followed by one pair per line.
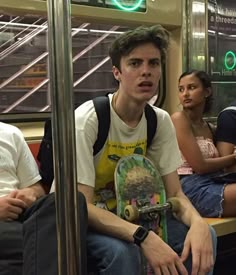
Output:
x,y
126,257
125,250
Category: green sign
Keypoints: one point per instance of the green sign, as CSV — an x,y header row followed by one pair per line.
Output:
x,y
230,60
127,5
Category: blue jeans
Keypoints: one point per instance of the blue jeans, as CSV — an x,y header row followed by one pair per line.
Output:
x,y
110,256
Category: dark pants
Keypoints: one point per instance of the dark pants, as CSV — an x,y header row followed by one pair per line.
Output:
x,y
11,248
40,237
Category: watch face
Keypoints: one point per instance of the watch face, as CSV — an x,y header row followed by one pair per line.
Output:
x,y
140,235
140,232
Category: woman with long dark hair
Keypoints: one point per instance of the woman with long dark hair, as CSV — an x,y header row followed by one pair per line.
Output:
x,y
201,160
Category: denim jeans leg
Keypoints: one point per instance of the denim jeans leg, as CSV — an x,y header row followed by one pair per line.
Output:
x,y
177,232
110,256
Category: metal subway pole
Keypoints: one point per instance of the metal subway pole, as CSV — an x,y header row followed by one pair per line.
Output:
x,y
61,86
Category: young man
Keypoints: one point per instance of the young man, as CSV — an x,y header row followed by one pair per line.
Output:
x,y
137,58
19,188
226,132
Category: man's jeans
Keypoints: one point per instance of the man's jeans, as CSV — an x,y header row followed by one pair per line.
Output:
x,y
110,256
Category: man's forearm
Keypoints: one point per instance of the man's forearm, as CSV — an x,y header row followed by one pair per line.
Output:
x,y
225,149
108,223
186,212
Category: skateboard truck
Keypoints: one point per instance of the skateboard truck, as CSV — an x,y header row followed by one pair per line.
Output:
x,y
146,211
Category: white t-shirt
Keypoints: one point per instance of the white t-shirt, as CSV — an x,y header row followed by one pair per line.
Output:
x,y
122,140
18,168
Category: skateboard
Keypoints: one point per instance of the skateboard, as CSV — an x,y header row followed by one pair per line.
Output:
x,y
141,196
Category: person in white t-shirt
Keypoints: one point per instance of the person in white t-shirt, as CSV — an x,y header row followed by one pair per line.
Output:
x,y
19,188
137,58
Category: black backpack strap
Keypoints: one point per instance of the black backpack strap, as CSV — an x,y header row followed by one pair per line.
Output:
x,y
151,123
45,156
102,108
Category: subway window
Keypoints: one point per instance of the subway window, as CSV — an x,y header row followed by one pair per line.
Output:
x,y
222,51
24,79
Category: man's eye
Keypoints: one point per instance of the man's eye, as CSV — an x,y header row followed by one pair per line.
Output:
x,y
181,89
155,63
134,63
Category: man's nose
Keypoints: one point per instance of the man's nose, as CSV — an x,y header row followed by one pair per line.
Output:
x,y
146,70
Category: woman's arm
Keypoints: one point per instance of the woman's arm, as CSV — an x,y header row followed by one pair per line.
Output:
x,y
225,149
191,151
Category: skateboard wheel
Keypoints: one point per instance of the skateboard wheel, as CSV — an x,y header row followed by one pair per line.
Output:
x,y
131,213
175,204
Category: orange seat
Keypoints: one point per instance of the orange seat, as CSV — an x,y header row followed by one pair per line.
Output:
x,y
34,148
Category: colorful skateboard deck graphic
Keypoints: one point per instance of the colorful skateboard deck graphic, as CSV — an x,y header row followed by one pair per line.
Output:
x,y
139,187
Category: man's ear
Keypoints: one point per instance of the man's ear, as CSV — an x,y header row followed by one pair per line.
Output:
x,y
116,73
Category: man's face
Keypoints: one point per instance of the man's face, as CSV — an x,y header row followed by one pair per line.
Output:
x,y
140,72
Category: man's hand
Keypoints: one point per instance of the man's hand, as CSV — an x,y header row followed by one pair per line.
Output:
x,y
27,195
161,257
30,194
199,242
11,207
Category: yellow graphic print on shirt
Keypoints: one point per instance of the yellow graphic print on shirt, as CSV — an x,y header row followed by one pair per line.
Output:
x,y
104,187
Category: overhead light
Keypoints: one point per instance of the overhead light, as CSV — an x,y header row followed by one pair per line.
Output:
x,y
199,34
198,7
45,27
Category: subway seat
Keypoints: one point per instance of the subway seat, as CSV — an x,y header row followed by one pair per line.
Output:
x,y
222,226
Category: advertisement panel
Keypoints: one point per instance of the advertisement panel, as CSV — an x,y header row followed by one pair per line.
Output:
x,y
222,39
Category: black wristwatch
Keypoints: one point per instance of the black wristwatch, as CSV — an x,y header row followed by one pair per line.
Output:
x,y
140,235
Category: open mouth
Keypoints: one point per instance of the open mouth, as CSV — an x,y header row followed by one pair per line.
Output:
x,y
145,84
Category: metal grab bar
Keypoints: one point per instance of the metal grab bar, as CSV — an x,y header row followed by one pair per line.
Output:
x,y
60,61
